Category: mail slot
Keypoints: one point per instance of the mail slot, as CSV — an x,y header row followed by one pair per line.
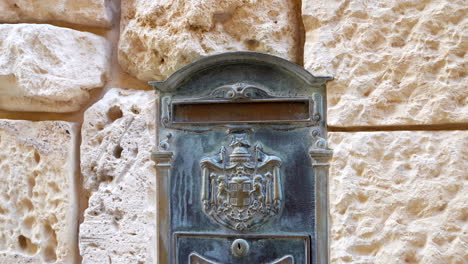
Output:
x,y
241,162
258,111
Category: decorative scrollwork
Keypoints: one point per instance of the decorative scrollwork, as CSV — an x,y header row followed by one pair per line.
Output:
x,y
284,260
239,91
195,258
164,144
318,108
165,111
319,142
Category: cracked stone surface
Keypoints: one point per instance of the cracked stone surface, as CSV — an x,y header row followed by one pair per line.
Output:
x,y
45,68
395,62
159,37
97,13
38,207
399,197
117,138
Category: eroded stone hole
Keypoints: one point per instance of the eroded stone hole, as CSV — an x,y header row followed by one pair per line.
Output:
x,y
118,151
25,205
252,44
54,186
28,222
49,253
106,178
37,156
135,110
31,184
22,242
99,126
26,245
114,113
118,215
94,167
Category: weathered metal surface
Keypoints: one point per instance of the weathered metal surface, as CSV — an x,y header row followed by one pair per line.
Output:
x,y
242,162
241,187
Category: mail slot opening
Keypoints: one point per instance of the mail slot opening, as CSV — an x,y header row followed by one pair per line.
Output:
x,y
260,111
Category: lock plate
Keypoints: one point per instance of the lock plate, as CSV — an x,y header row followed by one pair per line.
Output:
x,y
240,248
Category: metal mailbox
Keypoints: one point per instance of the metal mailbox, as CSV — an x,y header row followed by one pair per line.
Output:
x,y
242,162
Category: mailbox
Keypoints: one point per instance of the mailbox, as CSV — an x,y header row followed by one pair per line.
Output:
x,y
242,162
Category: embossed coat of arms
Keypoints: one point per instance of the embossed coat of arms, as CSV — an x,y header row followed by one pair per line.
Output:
x,y
241,185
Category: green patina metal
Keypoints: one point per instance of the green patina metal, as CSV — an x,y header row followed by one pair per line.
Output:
x,y
242,162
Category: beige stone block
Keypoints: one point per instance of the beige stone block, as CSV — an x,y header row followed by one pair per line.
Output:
x,y
118,135
399,197
45,68
97,13
394,62
159,37
38,203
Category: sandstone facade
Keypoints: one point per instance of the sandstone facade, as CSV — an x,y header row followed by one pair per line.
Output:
x,y
159,37
395,197
38,206
399,197
85,12
395,62
117,140
48,68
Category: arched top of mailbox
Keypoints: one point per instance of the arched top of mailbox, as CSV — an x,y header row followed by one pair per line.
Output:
x,y
210,66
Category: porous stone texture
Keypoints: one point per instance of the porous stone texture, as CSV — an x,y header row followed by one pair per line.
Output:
x,y
98,13
117,138
395,62
159,37
399,197
38,205
45,68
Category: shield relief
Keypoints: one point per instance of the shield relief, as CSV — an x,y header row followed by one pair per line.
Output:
x,y
241,187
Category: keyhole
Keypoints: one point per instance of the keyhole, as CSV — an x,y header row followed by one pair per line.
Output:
x,y
240,248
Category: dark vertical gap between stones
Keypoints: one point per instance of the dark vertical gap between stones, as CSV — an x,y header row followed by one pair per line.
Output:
x,y
300,37
82,196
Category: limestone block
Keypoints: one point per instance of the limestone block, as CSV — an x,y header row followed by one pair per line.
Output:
x,y
117,138
98,13
399,197
38,203
159,37
395,62
49,69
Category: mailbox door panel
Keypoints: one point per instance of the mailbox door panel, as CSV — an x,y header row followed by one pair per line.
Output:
x,y
265,249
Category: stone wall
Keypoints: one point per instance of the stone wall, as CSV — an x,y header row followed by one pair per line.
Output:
x,y
76,180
